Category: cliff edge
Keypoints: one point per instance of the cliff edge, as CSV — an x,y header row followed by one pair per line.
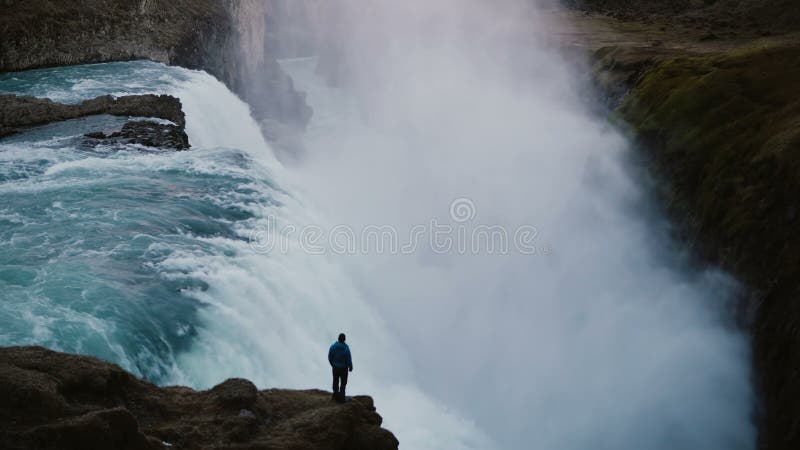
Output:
x,y
52,400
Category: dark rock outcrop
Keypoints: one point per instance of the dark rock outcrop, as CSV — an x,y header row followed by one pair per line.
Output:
x,y
39,33
198,34
20,112
51,400
145,132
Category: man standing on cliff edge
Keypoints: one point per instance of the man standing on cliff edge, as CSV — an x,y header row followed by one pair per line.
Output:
x,y
341,362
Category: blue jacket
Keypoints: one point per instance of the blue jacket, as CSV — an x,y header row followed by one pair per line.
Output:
x,y
339,356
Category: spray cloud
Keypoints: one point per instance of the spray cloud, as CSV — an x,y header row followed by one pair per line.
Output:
x,y
606,340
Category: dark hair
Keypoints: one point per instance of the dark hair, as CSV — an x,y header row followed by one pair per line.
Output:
x,y
341,337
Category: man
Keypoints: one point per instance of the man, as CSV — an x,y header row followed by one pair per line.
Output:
x,y
341,362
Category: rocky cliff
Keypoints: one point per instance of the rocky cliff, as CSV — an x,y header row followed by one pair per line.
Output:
x,y
51,400
197,34
707,91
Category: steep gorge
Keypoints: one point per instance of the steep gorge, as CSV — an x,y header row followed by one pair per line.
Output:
x,y
708,93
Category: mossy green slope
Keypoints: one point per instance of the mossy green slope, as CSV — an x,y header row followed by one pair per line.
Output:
x,y
724,132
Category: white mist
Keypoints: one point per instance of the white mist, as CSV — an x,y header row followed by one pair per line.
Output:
x,y
601,340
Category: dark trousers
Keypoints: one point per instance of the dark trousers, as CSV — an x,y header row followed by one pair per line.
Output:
x,y
339,375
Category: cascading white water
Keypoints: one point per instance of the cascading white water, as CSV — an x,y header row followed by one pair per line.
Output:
x,y
270,315
145,258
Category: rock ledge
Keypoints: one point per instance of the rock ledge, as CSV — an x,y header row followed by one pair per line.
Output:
x,y
20,112
54,400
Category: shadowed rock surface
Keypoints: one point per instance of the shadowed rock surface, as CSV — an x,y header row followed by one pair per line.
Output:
x,y
51,400
20,112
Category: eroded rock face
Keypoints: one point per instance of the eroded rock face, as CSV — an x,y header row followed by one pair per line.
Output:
x,y
20,112
56,400
260,81
39,33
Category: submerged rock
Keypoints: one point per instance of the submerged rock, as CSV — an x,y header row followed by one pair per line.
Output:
x,y
20,112
57,400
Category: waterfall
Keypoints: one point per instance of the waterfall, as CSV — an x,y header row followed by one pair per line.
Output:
x,y
151,260
461,117
560,316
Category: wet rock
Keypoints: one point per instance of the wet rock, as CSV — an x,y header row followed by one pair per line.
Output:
x,y
147,133
20,112
51,400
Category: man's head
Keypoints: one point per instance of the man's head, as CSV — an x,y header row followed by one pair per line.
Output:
x,y
341,337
